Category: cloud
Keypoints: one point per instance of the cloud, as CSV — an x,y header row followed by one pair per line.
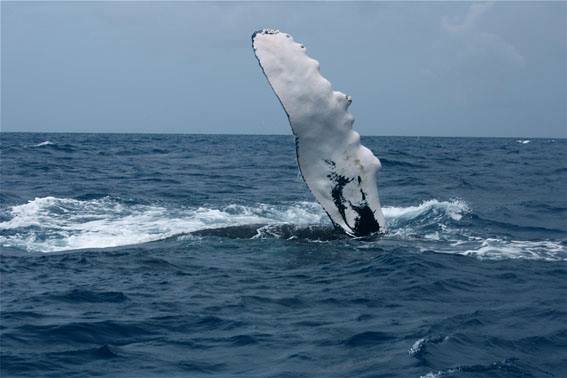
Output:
x,y
474,42
475,11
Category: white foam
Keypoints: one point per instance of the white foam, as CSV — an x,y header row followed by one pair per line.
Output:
x,y
454,209
523,141
52,224
432,375
417,347
46,143
66,224
440,373
437,226
432,220
498,249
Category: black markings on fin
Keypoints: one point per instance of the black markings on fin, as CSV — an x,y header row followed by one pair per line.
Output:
x,y
365,223
339,182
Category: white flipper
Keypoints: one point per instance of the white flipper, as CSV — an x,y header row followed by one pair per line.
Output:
x,y
338,170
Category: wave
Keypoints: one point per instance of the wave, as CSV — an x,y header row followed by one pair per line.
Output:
x,y
510,365
399,163
498,249
54,147
454,209
42,144
51,224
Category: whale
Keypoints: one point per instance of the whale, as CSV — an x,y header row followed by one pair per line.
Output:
x,y
337,168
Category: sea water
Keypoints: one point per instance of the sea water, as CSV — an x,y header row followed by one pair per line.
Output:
x,y
201,255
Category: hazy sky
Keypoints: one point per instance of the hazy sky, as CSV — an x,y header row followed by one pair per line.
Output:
x,y
439,69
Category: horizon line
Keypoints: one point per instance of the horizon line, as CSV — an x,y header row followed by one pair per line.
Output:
x,y
261,134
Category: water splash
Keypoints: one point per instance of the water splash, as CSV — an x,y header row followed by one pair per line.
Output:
x,y
52,224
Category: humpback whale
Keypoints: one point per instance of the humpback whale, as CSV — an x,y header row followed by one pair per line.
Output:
x,y
337,168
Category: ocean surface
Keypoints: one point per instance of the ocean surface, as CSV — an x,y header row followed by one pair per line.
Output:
x,y
197,255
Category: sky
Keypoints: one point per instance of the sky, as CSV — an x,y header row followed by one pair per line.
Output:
x,y
413,69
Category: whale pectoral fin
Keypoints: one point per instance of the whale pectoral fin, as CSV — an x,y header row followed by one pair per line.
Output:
x,y
339,171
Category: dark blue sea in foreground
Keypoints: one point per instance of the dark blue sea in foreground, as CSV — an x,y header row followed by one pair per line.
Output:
x,y
195,255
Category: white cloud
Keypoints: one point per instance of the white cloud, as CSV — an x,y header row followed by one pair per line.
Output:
x,y
475,11
474,42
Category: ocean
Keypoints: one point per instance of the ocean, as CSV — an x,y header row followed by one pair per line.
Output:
x,y
130,255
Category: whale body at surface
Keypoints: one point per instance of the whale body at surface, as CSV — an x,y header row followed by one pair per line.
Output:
x,y
339,171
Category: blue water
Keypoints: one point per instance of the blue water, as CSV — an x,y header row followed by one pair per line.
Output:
x,y
195,255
